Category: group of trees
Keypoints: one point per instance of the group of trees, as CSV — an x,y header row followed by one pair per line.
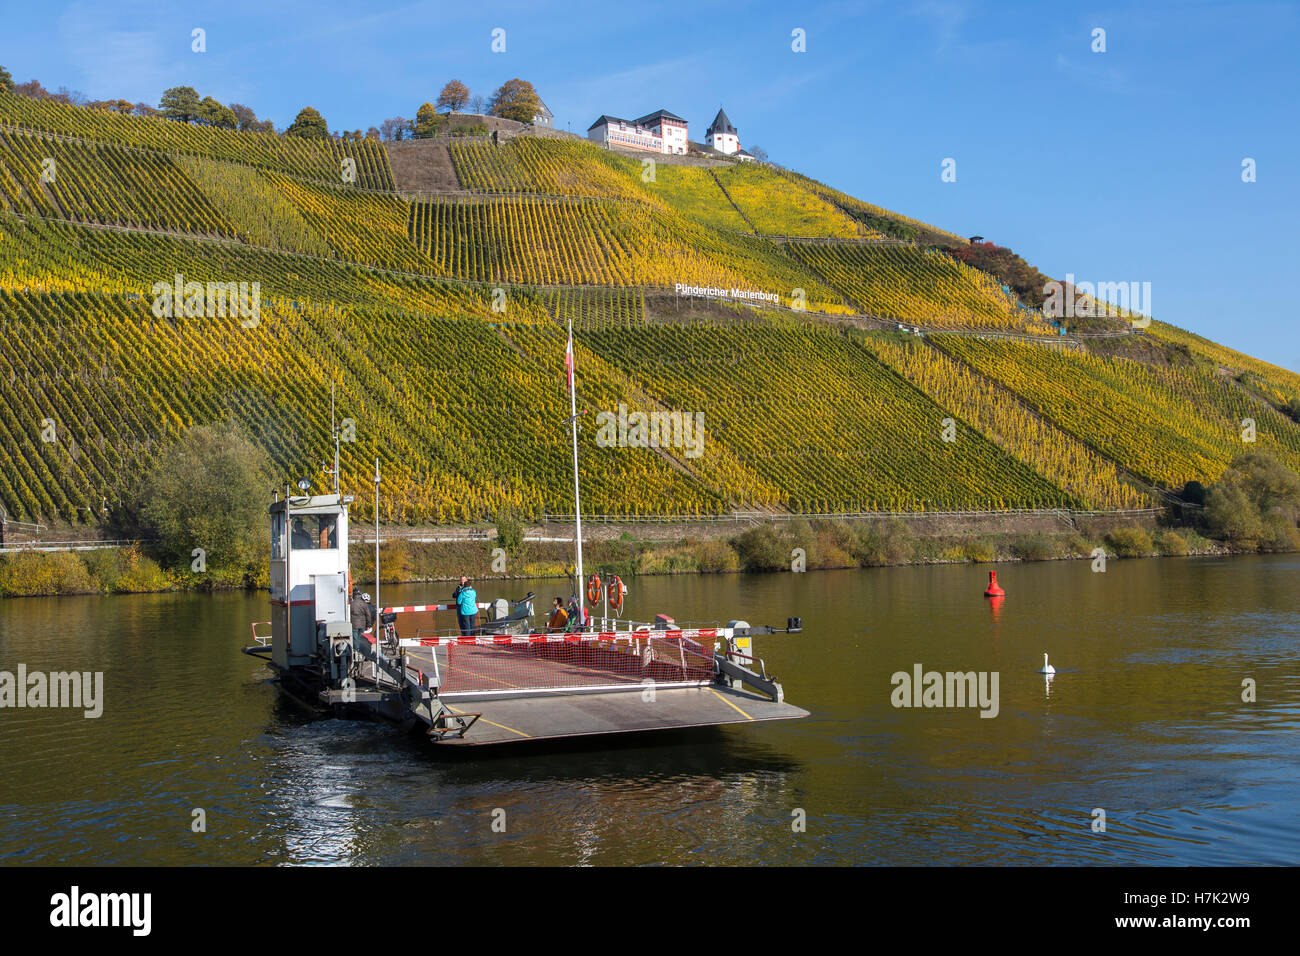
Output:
x,y
515,100
1255,504
182,103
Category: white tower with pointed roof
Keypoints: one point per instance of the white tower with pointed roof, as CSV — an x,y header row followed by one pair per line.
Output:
x,y
721,135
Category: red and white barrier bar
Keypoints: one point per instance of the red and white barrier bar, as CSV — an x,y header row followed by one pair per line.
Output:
x,y
699,635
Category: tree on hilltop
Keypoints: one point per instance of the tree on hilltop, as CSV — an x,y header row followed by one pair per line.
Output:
x,y
6,81
125,107
32,89
426,121
180,103
393,129
248,120
453,97
217,114
477,104
515,100
309,124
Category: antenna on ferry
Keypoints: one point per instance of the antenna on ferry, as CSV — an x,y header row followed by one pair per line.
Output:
x,y
577,505
334,431
378,653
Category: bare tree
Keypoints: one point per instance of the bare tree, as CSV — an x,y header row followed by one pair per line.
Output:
x,y
393,129
477,103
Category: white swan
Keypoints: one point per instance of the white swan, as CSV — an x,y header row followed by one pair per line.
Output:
x,y
1047,668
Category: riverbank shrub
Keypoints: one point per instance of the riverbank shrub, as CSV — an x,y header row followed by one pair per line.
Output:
x,y
137,573
204,500
1255,504
510,531
885,544
38,574
761,549
1171,543
1279,534
1130,542
1033,547
715,557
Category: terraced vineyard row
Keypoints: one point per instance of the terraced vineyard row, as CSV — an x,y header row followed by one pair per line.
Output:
x,y
102,183
775,204
597,242
313,159
1057,455
694,193
1278,385
254,206
863,212
57,256
1169,426
596,308
910,284
779,207
360,227
544,165
724,480
439,399
811,414
107,184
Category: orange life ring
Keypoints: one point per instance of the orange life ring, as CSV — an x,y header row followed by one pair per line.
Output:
x,y
593,588
615,592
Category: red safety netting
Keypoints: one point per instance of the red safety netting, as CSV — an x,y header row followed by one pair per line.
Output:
x,y
574,664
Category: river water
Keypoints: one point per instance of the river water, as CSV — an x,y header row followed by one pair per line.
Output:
x,y
1144,720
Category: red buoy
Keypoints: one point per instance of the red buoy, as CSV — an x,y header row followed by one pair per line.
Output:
x,y
994,590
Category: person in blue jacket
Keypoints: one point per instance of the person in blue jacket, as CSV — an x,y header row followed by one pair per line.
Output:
x,y
466,601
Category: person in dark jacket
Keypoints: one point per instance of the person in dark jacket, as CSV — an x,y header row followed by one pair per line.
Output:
x,y
359,614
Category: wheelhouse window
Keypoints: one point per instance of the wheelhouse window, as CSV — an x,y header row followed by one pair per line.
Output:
x,y
314,532
277,536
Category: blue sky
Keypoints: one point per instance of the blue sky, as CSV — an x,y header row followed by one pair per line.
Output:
x,y
1115,166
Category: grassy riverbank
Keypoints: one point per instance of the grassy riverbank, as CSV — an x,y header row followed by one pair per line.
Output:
x,y
773,547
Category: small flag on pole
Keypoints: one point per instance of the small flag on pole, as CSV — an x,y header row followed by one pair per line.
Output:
x,y
568,359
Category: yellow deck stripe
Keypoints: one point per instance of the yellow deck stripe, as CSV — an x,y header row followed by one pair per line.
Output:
x,y
495,724
730,703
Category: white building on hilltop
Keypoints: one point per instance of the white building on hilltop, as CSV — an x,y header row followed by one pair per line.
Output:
x,y
670,127
659,132
613,131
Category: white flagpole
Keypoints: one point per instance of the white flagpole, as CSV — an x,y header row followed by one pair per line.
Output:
x,y
375,628
570,367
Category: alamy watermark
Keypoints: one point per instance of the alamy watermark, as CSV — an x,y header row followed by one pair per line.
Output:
x,y
1092,300
624,429
212,300
60,689
951,689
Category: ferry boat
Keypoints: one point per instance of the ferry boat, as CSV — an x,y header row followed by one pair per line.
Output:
x,y
505,682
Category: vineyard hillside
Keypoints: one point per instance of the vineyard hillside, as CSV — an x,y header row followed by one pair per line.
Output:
x,y
833,356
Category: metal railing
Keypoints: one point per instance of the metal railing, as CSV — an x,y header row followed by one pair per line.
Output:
x,y
738,516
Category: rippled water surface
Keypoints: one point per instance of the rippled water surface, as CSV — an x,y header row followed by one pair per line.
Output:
x,y
1144,720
